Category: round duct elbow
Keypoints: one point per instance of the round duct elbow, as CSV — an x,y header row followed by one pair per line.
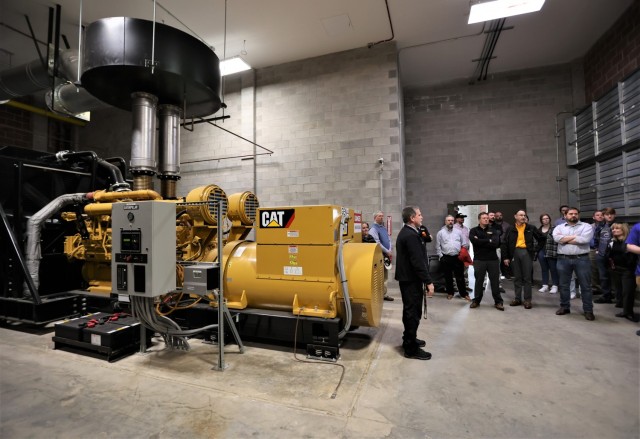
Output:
x,y
117,62
72,100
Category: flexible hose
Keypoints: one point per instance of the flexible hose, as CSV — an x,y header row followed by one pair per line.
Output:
x,y
343,282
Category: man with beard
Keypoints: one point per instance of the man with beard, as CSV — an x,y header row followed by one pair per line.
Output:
x,y
412,275
573,238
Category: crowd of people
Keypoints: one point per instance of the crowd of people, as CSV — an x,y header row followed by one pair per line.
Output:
x,y
577,259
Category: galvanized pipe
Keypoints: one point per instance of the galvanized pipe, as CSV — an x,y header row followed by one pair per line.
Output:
x,y
169,142
143,137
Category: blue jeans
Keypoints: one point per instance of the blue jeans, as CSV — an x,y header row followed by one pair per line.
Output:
x,y
553,268
581,266
544,268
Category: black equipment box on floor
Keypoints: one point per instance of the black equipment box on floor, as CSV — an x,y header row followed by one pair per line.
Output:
x,y
110,336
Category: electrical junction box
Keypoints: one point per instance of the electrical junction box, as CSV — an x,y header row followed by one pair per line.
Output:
x,y
143,248
200,279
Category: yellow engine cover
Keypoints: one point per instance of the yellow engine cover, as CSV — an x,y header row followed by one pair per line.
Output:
x,y
304,279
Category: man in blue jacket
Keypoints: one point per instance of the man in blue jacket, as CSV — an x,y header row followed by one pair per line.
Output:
x,y
379,233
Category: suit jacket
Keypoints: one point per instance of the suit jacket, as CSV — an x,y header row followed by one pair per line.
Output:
x,y
411,264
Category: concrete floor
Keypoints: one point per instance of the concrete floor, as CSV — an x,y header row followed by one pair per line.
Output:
x,y
513,374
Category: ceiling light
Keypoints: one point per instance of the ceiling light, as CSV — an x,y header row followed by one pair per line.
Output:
x,y
494,9
233,65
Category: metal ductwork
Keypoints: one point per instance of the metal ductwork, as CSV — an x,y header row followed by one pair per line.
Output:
x,y
123,56
143,140
23,80
169,149
71,99
34,76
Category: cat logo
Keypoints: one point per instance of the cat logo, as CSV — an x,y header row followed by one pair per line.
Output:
x,y
277,219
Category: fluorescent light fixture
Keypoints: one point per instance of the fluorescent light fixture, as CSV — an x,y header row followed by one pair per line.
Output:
x,y
233,65
494,9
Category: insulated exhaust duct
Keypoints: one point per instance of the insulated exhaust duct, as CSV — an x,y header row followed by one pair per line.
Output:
x,y
72,100
143,140
169,150
32,77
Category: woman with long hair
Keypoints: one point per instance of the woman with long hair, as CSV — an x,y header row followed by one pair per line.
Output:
x,y
546,264
623,266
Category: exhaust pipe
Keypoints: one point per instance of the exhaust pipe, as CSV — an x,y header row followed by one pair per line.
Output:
x,y
169,150
143,140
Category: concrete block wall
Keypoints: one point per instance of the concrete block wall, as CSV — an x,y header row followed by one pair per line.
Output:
x,y
327,120
494,140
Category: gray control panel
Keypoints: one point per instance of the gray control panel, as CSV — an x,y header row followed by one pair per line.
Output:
x,y
143,248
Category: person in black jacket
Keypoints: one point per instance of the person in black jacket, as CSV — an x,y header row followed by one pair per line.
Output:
x,y
485,260
412,273
518,252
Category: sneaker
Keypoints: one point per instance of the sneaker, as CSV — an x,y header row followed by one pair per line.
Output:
x,y
573,296
501,277
421,343
544,289
553,290
419,354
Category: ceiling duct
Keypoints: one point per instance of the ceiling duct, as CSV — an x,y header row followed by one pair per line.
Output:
x,y
123,56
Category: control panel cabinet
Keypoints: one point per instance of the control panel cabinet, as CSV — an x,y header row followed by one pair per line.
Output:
x,y
144,248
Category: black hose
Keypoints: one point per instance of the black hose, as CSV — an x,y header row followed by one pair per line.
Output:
x,y
90,156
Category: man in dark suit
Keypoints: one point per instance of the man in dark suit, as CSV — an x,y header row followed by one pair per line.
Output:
x,y
412,274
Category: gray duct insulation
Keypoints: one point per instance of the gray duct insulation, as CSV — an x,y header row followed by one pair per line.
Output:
x,y
33,76
34,227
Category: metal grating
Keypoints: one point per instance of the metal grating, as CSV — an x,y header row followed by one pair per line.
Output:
x,y
611,184
587,189
607,122
631,162
584,134
214,197
251,206
630,107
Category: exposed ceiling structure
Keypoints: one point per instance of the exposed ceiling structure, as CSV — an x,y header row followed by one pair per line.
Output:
x,y
435,42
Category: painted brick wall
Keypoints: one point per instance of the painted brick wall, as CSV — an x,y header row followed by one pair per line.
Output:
x,y
615,55
489,141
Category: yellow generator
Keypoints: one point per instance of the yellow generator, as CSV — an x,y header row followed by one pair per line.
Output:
x,y
304,278
304,262
306,268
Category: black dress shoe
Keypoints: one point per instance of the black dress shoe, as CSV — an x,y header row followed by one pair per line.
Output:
x,y
630,317
474,304
418,354
389,298
563,311
589,316
515,302
421,343
499,306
